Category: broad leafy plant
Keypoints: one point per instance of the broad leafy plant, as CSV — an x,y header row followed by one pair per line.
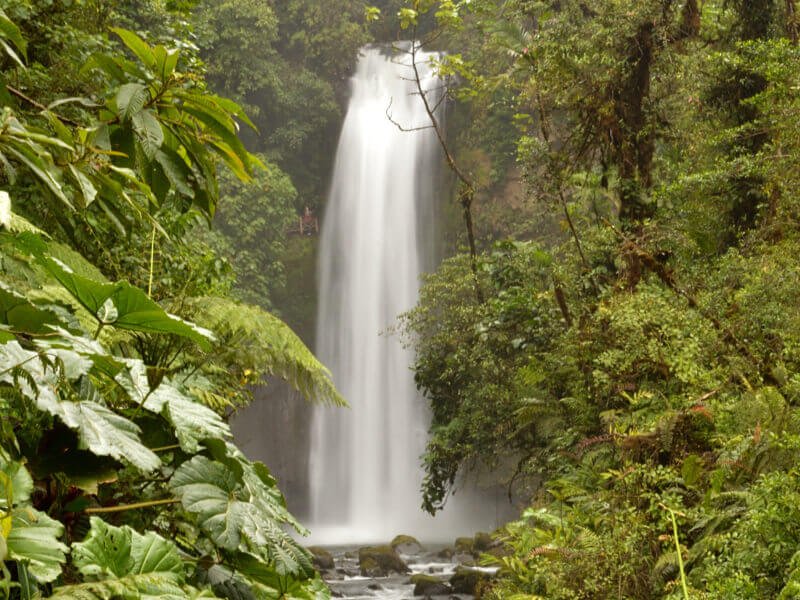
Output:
x,y
119,477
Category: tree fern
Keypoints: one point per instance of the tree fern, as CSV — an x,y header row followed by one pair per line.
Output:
x,y
262,343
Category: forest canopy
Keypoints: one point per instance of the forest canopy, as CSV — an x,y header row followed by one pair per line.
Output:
x,y
629,361
124,342
614,334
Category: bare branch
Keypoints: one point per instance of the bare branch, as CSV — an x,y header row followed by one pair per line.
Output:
x,y
466,194
439,102
401,127
15,92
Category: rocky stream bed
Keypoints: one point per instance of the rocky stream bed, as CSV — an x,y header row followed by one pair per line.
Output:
x,y
407,569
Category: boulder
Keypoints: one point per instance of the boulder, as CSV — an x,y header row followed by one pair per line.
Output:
x,y
467,581
426,585
322,559
482,542
380,561
406,544
463,558
498,550
347,572
465,545
446,553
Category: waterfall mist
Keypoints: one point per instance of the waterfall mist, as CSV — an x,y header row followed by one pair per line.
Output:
x,y
377,233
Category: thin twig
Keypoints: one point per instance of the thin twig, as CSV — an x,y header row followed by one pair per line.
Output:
x,y
467,193
135,506
399,125
15,92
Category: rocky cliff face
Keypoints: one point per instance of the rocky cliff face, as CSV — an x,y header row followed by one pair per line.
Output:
x,y
275,429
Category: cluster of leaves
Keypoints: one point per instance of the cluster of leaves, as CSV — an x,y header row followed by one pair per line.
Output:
x,y
118,474
253,227
643,364
286,62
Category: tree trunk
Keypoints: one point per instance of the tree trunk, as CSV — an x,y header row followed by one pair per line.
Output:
x,y
690,20
634,145
792,24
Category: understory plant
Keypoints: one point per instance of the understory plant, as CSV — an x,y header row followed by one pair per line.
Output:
x,y
119,478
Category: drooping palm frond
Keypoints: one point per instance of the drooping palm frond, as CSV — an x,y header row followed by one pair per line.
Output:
x,y
265,345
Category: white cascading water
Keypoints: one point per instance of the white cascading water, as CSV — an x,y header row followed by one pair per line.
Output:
x,y
365,461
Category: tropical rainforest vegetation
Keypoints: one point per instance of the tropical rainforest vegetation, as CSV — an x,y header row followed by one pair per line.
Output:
x,y
124,344
613,334
635,373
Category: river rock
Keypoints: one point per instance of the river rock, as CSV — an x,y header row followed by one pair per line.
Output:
x,y
322,559
406,544
464,545
426,585
482,542
380,561
347,572
466,581
498,550
446,553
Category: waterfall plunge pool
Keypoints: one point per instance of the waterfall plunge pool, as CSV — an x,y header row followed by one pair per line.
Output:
x,y
435,562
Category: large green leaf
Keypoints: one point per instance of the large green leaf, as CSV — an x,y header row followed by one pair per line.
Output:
x,y
10,31
21,315
213,493
100,429
106,552
274,585
34,157
153,554
237,520
60,339
191,421
16,483
194,422
130,100
11,53
149,132
175,170
33,539
115,552
226,583
138,46
125,306
119,562
147,586
87,188
106,433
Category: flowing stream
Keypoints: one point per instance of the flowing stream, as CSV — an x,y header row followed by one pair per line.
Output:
x,y
376,240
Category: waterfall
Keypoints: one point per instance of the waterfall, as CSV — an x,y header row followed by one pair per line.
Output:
x,y
365,475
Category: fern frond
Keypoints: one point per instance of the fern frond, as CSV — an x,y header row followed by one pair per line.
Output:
x,y
263,343
666,567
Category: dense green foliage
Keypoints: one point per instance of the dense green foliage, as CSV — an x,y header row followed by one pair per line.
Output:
x,y
633,376
121,348
643,363
287,63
